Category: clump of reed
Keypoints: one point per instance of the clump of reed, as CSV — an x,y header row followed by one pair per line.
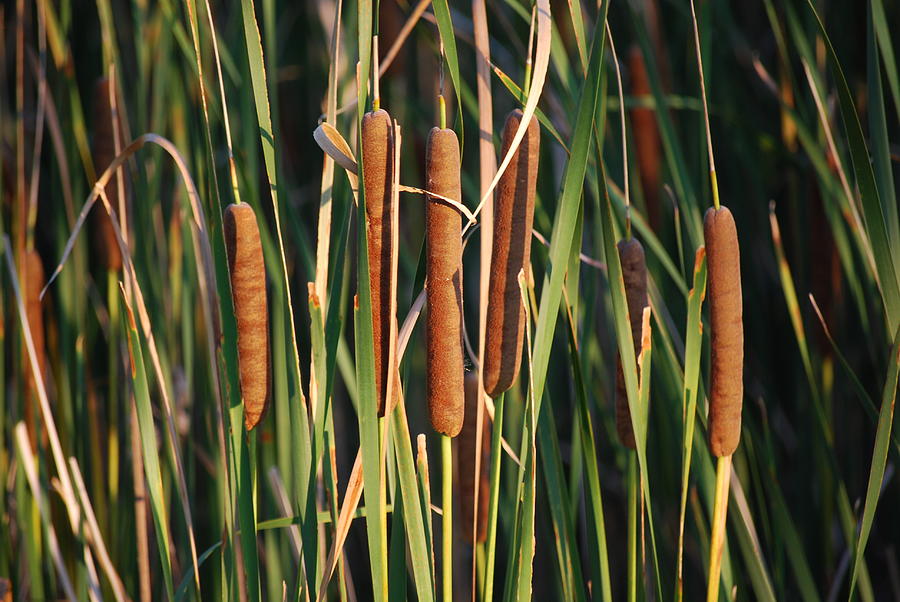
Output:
x,y
248,292
443,264
513,219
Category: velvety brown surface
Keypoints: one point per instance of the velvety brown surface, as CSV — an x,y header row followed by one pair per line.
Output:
x,y
103,236
646,137
378,158
443,263
726,321
248,291
33,282
634,274
465,454
513,219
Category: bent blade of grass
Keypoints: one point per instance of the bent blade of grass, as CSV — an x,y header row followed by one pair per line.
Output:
x,y
149,445
879,458
883,35
886,255
692,350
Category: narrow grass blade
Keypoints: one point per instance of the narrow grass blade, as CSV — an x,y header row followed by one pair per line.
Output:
x,y
879,458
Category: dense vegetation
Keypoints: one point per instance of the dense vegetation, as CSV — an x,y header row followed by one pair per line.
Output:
x,y
130,467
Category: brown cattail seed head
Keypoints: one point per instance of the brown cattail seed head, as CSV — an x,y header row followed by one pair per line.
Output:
x,y
646,137
466,449
513,219
634,274
33,281
726,321
104,151
443,264
248,291
378,177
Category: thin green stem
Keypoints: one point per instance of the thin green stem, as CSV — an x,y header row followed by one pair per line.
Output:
x,y
447,508
442,111
717,541
632,526
493,504
712,163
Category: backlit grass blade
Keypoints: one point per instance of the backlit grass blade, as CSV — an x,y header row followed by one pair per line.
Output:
x,y
149,447
692,350
865,180
879,458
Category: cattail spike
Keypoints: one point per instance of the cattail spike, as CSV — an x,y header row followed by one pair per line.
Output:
x,y
378,157
248,291
634,275
444,328
726,321
513,219
105,245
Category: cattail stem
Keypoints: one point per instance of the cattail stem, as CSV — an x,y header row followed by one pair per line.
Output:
x,y
720,511
447,520
632,526
112,292
442,111
493,505
712,162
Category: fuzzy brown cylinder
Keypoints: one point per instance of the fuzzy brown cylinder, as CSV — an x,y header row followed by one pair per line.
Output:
x,y
726,321
34,281
443,264
103,237
466,454
378,158
634,274
646,138
511,252
248,291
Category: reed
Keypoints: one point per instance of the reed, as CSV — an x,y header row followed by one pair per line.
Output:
x,y
103,236
248,292
513,219
634,274
443,264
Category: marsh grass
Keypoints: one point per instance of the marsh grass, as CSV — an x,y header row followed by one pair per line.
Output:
x,y
142,481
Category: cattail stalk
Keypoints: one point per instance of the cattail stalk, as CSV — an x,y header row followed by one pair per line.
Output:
x,y
646,137
34,283
634,275
444,327
474,530
105,245
248,291
513,219
378,155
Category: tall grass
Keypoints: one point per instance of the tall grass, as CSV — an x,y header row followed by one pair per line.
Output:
x,y
134,461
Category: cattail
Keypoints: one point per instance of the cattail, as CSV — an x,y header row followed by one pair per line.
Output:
x,y
513,218
646,137
466,450
104,237
34,281
378,157
634,274
726,310
248,291
443,263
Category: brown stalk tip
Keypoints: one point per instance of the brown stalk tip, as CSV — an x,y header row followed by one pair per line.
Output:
x,y
33,282
248,291
105,245
466,450
378,177
513,219
726,321
634,274
443,265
